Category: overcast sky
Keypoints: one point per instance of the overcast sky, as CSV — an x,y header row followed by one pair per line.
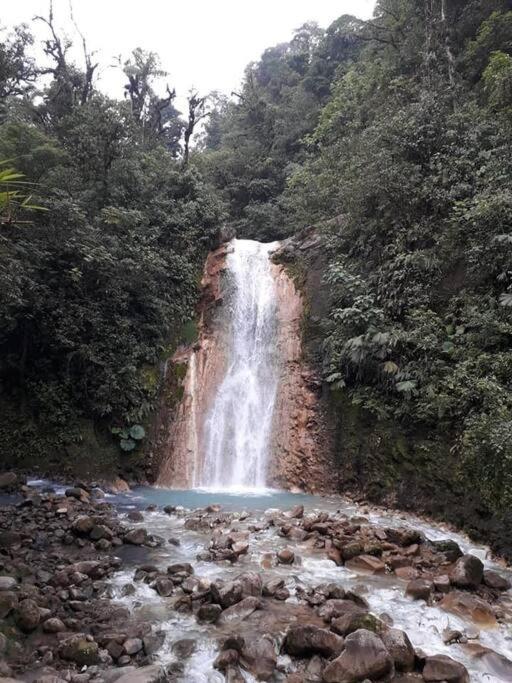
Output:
x,y
203,44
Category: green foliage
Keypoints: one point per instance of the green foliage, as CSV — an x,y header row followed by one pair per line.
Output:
x,y
97,285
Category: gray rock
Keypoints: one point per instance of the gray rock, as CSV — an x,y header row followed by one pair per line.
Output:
x,y
307,640
400,648
146,674
7,583
468,572
364,656
27,615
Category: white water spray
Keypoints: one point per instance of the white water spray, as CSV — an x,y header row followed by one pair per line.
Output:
x,y
238,426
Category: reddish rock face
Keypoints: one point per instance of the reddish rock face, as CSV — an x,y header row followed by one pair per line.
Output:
x,y
300,448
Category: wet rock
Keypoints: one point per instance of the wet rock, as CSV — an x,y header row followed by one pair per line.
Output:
x,y
80,649
443,668
273,586
164,586
27,615
7,583
132,646
404,537
136,536
285,556
353,622
467,572
146,674
367,564
469,607
442,583
449,548
307,640
209,613
259,658
153,642
184,648
406,573
226,594
364,656
180,568
335,556
135,516
241,610
451,636
495,581
334,609
100,532
226,659
76,492
251,584
420,589
8,602
351,550
296,513
400,648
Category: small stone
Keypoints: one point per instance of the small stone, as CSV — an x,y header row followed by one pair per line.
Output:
x,y
53,625
286,556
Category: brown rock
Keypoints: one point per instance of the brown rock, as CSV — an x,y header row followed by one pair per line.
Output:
x,y
27,615
136,536
364,657
82,526
286,556
241,610
307,640
495,581
400,648
209,613
442,583
470,607
259,657
443,668
80,649
8,602
467,572
419,589
226,594
367,564
53,625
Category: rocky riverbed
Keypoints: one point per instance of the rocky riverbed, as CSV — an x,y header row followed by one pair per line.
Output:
x,y
333,593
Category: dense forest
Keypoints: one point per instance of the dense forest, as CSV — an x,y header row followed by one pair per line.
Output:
x,y
400,128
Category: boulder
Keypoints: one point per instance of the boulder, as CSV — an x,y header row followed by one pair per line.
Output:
x,y
259,657
54,625
180,568
495,581
400,648
420,589
306,640
364,656
209,613
8,602
468,572
80,649
334,609
241,610
7,583
449,548
146,674
272,586
27,615
132,646
469,607
251,584
8,481
164,586
443,668
136,536
353,622
403,536
82,526
368,564
226,594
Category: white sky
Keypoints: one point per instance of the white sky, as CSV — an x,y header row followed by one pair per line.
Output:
x,y
204,44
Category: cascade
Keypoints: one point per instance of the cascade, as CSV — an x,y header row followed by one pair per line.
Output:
x,y
237,428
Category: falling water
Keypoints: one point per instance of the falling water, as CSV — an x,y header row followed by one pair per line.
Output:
x,y
237,429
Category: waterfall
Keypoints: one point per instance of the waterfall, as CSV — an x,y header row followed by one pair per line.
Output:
x,y
237,429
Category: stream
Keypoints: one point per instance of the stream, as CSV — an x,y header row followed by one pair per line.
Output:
x,y
386,594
